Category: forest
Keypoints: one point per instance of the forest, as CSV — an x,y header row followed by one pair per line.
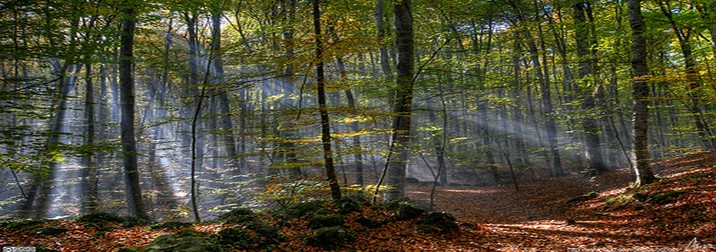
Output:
x,y
189,113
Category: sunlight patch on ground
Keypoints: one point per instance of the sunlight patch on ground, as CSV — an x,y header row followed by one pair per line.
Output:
x,y
473,191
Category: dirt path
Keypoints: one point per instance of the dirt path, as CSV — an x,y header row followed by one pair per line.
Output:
x,y
537,218
537,200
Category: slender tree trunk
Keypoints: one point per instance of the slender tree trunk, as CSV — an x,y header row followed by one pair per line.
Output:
x,y
640,93
126,89
322,107
355,127
694,83
382,32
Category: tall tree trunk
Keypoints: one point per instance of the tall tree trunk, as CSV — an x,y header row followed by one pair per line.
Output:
x,y
587,71
126,89
640,94
355,127
89,172
322,107
382,32
223,97
403,100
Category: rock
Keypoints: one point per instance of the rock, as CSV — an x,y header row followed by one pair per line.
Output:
x,y
184,241
237,216
325,218
405,211
437,222
331,237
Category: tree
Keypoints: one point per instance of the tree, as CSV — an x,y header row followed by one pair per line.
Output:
x,y
322,107
587,71
405,46
126,82
640,94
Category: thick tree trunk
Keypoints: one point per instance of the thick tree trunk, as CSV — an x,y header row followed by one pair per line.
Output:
x,y
89,172
223,97
126,89
403,100
640,93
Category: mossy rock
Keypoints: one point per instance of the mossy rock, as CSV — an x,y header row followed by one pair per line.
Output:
x,y
237,216
100,219
50,230
184,241
331,237
353,203
405,211
237,237
437,222
368,222
253,236
306,208
325,218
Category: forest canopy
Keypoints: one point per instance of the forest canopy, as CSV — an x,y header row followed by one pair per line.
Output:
x,y
183,110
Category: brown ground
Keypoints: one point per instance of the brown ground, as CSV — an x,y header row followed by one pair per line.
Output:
x,y
498,218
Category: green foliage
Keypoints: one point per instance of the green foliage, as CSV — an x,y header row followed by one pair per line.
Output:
x,y
331,237
284,193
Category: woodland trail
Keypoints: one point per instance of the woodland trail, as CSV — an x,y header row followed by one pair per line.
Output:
x,y
538,218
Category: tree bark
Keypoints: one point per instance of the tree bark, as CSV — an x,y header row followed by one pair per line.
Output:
x,y
126,89
322,107
403,100
640,94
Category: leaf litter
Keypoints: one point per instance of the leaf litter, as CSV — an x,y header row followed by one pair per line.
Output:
x,y
676,213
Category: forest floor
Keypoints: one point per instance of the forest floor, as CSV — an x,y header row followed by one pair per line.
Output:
x,y
572,213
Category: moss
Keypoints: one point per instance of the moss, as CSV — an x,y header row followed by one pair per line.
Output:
x,y
404,210
325,218
184,241
331,237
